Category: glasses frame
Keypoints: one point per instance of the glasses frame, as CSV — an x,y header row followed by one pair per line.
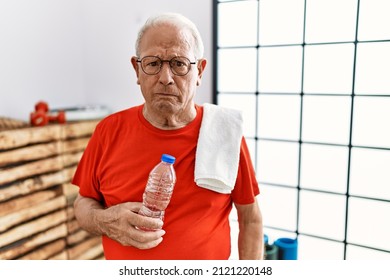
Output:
x,y
139,60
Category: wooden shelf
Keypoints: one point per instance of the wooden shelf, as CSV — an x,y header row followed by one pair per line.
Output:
x,y
36,197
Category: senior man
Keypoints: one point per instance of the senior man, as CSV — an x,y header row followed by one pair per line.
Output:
x,y
126,145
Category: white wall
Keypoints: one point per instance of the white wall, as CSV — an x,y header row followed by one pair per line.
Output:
x,y
76,52
40,55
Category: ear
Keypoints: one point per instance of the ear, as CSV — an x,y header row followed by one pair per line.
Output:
x,y
136,67
201,66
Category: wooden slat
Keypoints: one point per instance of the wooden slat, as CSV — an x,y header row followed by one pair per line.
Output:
x,y
41,151
75,145
24,215
79,129
46,251
71,158
7,123
63,255
27,201
77,250
10,139
77,237
38,167
73,226
35,184
31,228
91,253
70,213
30,169
35,241
30,153
70,191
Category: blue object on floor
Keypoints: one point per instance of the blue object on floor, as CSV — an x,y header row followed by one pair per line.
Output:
x,y
270,250
265,239
288,248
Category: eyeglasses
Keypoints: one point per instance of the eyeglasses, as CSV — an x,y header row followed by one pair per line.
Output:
x,y
152,65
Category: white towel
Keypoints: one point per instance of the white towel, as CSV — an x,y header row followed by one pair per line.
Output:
x,y
218,150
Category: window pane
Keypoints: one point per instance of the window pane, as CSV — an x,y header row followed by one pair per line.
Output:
x,y
324,168
370,174
373,68
244,15
280,69
277,162
328,68
279,116
369,223
371,122
311,248
281,25
245,103
279,207
326,119
251,143
322,214
359,253
237,70
330,20
374,20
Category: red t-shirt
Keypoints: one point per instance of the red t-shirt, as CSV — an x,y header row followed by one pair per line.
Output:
x,y
115,167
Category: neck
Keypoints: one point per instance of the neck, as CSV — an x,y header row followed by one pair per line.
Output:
x,y
169,120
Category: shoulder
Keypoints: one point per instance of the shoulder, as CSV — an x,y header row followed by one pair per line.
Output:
x,y
111,125
118,118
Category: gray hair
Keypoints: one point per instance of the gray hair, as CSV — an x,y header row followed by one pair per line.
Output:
x,y
178,21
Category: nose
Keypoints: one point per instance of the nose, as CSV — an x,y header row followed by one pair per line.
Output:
x,y
165,74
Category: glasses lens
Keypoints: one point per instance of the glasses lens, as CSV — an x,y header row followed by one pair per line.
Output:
x,y
151,64
180,65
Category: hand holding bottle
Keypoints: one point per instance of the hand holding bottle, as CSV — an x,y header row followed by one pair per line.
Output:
x,y
119,222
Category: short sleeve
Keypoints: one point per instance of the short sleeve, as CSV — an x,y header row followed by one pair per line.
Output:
x,y
247,187
86,175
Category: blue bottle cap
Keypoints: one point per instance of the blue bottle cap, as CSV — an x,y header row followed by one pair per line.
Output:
x,y
168,158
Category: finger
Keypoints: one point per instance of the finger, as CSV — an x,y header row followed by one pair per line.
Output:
x,y
148,245
145,236
144,239
145,222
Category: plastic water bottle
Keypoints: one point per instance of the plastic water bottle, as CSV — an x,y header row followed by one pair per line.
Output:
x,y
159,188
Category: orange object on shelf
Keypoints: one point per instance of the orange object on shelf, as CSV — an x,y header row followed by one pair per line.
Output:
x,y
41,116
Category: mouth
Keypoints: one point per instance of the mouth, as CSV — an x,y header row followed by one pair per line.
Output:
x,y
166,94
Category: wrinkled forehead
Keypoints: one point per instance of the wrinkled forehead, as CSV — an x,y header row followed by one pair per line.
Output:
x,y
167,37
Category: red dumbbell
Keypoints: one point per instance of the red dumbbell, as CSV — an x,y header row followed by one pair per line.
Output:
x,y
41,107
41,116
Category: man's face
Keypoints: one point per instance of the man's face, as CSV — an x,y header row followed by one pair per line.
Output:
x,y
166,92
